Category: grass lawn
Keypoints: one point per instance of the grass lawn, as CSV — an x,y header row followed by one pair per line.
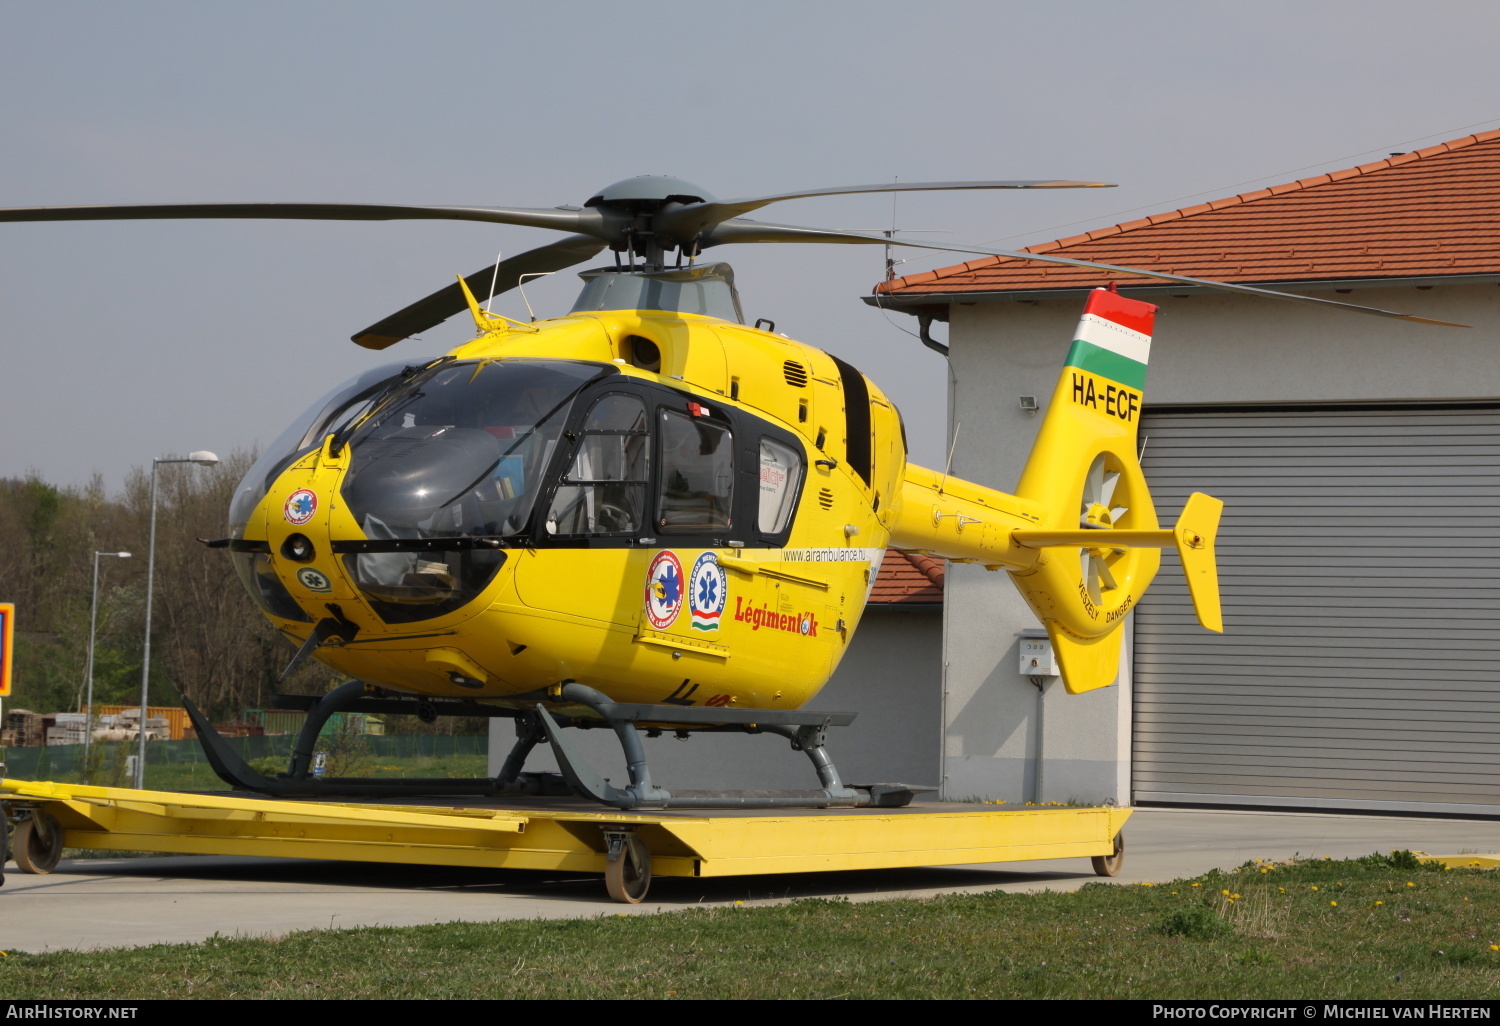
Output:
x,y
1378,927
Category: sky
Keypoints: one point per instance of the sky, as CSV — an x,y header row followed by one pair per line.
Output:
x,y
123,341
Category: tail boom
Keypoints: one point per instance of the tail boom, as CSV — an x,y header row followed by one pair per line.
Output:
x,y
962,521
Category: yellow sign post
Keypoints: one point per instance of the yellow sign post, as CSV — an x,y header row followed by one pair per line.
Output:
x,y
7,637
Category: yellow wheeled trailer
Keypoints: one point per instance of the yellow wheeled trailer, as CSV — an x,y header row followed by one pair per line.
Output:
x,y
628,848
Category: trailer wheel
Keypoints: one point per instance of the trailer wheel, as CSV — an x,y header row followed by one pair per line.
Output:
x,y
37,843
627,877
1109,865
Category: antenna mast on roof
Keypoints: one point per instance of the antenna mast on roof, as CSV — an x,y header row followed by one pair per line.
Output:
x,y
890,262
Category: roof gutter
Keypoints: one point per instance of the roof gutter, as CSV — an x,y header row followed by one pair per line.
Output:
x,y
930,303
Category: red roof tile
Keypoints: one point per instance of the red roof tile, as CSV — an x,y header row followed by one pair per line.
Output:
x,y
1431,212
906,578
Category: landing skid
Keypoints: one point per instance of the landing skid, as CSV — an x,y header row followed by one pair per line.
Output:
x,y
300,782
806,730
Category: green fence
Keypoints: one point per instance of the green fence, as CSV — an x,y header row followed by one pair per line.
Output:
x,y
180,765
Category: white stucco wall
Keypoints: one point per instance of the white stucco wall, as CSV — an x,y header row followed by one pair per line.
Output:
x,y
1207,349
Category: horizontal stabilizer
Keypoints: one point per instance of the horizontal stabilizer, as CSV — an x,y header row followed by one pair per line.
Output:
x,y
1193,538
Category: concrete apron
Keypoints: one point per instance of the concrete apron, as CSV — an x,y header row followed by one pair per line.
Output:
x,y
107,903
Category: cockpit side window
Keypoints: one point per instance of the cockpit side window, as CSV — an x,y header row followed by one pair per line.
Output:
x,y
603,491
697,474
780,479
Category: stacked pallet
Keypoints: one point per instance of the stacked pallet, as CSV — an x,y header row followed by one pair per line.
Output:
x,y
157,727
27,726
67,729
175,717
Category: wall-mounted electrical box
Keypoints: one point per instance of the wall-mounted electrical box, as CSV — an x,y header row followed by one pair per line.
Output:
x,y
1037,658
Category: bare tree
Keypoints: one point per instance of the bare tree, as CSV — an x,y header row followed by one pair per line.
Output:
x,y
208,638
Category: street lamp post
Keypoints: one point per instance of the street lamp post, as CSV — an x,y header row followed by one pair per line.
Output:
x,y
204,459
88,709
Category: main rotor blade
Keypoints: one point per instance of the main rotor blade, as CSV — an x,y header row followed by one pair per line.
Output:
x,y
695,217
444,303
757,231
564,220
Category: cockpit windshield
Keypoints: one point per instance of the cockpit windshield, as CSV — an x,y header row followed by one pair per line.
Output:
x,y
458,451
304,434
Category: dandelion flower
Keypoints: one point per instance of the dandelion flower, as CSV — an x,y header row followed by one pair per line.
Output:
x,y
1315,886
1334,904
1225,893
1493,947
1265,870
1410,884
1380,903
1197,885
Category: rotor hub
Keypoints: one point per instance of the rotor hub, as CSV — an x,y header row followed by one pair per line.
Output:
x,y
648,193
1097,515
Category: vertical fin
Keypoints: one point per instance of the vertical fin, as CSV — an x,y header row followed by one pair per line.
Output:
x,y
1196,530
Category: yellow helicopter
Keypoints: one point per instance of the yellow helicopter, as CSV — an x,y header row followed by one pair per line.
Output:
x,y
647,515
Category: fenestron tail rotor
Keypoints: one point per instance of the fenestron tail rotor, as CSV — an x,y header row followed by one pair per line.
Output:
x,y
1099,486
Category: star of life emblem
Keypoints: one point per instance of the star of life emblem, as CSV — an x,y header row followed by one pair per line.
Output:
x,y
300,506
664,589
708,591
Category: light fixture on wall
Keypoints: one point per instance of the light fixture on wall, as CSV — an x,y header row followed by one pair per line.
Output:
x,y
1028,403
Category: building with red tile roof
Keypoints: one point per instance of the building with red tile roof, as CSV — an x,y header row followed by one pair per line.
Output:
x,y
1433,213
908,579
1359,461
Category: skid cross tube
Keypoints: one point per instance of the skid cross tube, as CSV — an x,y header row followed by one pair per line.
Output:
x,y
335,701
806,730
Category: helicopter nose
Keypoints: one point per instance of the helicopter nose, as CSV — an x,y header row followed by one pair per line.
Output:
x,y
299,534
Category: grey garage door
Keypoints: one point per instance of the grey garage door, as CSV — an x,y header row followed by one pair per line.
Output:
x,y
1360,568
